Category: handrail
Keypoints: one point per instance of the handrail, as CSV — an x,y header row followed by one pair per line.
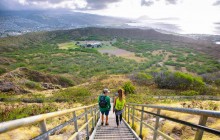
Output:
x,y
208,113
80,129
210,130
204,114
41,119
152,128
197,97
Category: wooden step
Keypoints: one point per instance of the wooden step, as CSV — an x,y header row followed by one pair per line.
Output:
x,y
112,132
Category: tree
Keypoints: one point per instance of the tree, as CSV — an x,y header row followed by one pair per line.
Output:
x,y
129,88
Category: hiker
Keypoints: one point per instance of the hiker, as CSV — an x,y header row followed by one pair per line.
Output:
x,y
115,97
119,105
104,105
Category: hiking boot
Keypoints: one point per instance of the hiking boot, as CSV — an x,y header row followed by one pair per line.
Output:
x,y
102,123
106,124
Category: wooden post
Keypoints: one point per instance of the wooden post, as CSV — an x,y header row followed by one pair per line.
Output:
x,y
125,112
43,128
156,125
133,116
76,125
95,115
142,116
199,133
93,124
128,114
87,126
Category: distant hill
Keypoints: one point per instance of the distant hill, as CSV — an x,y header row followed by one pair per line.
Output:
x,y
202,45
18,22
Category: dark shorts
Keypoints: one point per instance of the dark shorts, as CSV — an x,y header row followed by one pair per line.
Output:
x,y
105,112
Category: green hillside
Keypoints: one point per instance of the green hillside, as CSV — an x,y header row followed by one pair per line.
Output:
x,y
47,71
141,51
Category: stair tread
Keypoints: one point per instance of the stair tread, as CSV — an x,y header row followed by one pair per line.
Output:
x,y
112,132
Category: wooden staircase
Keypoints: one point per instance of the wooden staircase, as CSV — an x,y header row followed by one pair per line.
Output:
x,y
112,132
91,113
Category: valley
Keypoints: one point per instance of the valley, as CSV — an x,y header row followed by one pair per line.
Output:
x,y
47,71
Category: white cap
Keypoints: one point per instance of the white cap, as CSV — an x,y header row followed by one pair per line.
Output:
x,y
106,90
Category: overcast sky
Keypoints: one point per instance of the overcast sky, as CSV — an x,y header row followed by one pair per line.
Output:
x,y
189,14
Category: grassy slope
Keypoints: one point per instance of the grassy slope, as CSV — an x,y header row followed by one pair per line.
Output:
x,y
93,88
94,69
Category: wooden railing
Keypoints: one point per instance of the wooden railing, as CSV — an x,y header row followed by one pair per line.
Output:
x,y
204,114
197,97
93,111
41,119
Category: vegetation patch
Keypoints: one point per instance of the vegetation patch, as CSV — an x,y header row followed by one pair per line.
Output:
x,y
178,80
120,53
68,45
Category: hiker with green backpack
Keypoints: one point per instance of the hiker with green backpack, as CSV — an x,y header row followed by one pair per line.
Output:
x,y
104,105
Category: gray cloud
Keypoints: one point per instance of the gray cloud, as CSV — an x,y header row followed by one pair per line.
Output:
x,y
146,2
99,4
216,3
34,4
10,5
49,1
171,1
151,2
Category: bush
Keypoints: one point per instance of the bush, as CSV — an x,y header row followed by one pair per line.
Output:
x,y
129,88
179,81
33,85
7,114
144,78
212,78
190,93
65,82
33,100
72,94
2,70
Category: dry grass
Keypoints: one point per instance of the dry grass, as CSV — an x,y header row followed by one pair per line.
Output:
x,y
121,53
33,130
157,52
179,131
59,54
23,133
114,81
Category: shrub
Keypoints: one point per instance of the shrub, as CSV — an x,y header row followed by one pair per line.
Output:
x,y
65,82
213,106
33,100
212,78
217,82
72,94
33,85
190,93
2,70
129,88
178,80
144,78
25,111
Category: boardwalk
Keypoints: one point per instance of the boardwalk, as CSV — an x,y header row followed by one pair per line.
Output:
x,y
111,132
